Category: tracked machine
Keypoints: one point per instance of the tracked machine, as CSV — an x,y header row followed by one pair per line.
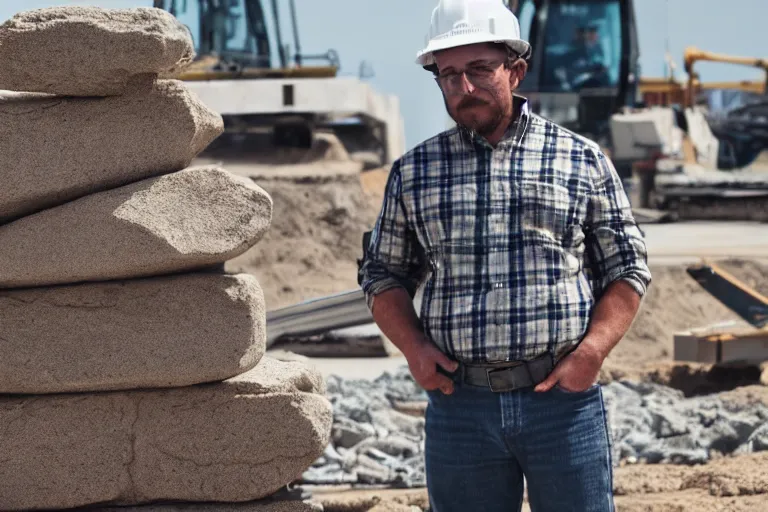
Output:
x,y
677,161
271,95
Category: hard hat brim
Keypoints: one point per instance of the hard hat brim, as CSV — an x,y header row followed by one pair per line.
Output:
x,y
425,57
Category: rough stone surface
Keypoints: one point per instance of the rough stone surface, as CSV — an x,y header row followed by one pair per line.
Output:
x,y
58,149
239,440
89,51
177,222
142,333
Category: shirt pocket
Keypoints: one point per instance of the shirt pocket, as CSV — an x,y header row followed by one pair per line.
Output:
x,y
546,208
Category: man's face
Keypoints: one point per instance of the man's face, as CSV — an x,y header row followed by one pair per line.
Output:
x,y
481,99
591,37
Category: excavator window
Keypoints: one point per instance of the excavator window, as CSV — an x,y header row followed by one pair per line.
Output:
x,y
580,43
238,31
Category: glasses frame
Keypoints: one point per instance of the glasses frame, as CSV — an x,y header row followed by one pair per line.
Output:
x,y
452,84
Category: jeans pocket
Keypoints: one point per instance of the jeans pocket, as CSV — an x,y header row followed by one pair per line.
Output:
x,y
589,390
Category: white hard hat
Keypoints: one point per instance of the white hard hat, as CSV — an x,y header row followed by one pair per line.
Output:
x,y
463,22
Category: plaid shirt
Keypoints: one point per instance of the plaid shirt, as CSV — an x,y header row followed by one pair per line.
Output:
x,y
513,245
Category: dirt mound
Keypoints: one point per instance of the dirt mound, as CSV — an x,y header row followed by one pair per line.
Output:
x,y
315,239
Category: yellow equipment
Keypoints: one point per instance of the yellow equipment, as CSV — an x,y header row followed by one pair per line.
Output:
x,y
663,92
267,94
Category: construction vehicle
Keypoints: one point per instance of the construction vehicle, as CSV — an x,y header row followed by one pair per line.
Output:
x,y
268,94
584,74
585,61
743,132
687,161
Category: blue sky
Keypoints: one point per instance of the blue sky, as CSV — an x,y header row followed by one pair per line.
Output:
x,y
388,33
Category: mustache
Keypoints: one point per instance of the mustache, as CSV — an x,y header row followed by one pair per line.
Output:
x,y
471,101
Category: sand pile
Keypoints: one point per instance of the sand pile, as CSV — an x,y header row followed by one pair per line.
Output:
x,y
132,368
316,235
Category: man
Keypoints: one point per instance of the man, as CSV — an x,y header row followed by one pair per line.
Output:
x,y
587,61
532,269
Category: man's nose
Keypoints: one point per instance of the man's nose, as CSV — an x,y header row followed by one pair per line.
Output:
x,y
465,82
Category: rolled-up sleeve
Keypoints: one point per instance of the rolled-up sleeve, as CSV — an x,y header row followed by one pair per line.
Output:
x,y
615,246
393,256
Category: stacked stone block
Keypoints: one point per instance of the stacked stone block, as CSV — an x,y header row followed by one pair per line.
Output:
x,y
132,368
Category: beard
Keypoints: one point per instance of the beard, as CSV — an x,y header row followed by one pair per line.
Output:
x,y
480,116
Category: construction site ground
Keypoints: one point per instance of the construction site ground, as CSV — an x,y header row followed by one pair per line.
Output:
x,y
322,209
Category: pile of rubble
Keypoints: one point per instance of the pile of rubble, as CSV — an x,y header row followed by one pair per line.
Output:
x,y
656,424
132,368
373,443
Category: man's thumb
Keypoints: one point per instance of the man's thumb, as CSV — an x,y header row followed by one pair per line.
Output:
x,y
446,363
547,383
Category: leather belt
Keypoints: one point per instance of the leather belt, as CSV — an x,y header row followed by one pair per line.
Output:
x,y
507,376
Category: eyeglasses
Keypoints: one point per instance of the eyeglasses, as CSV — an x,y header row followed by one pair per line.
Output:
x,y
479,75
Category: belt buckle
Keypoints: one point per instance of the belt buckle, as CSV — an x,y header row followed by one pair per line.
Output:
x,y
489,371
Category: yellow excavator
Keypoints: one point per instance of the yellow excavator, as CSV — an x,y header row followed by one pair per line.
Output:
x,y
270,94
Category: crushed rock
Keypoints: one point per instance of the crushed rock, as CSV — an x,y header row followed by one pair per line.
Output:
x,y
374,444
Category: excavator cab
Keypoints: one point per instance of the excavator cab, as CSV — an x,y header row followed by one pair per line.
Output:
x,y
584,65
277,103
235,35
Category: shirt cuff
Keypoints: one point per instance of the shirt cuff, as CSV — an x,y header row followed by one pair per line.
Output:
x,y
638,282
380,286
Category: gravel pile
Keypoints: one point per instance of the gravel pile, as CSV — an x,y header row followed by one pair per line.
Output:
x,y
657,424
374,444
371,442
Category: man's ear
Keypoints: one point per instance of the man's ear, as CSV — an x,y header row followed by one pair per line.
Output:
x,y
517,73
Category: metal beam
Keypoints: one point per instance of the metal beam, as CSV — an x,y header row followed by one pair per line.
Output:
x,y
317,316
734,294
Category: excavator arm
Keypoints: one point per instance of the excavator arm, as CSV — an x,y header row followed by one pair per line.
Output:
x,y
693,55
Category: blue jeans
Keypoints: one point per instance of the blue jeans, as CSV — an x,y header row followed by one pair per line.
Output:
x,y
480,445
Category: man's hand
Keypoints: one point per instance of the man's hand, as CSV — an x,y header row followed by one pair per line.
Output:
x,y
423,360
394,314
576,372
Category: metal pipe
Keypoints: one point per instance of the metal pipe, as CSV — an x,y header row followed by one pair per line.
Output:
x,y
295,32
280,49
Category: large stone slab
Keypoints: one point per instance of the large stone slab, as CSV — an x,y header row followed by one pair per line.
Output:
x,y
143,333
235,441
58,149
90,51
177,222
